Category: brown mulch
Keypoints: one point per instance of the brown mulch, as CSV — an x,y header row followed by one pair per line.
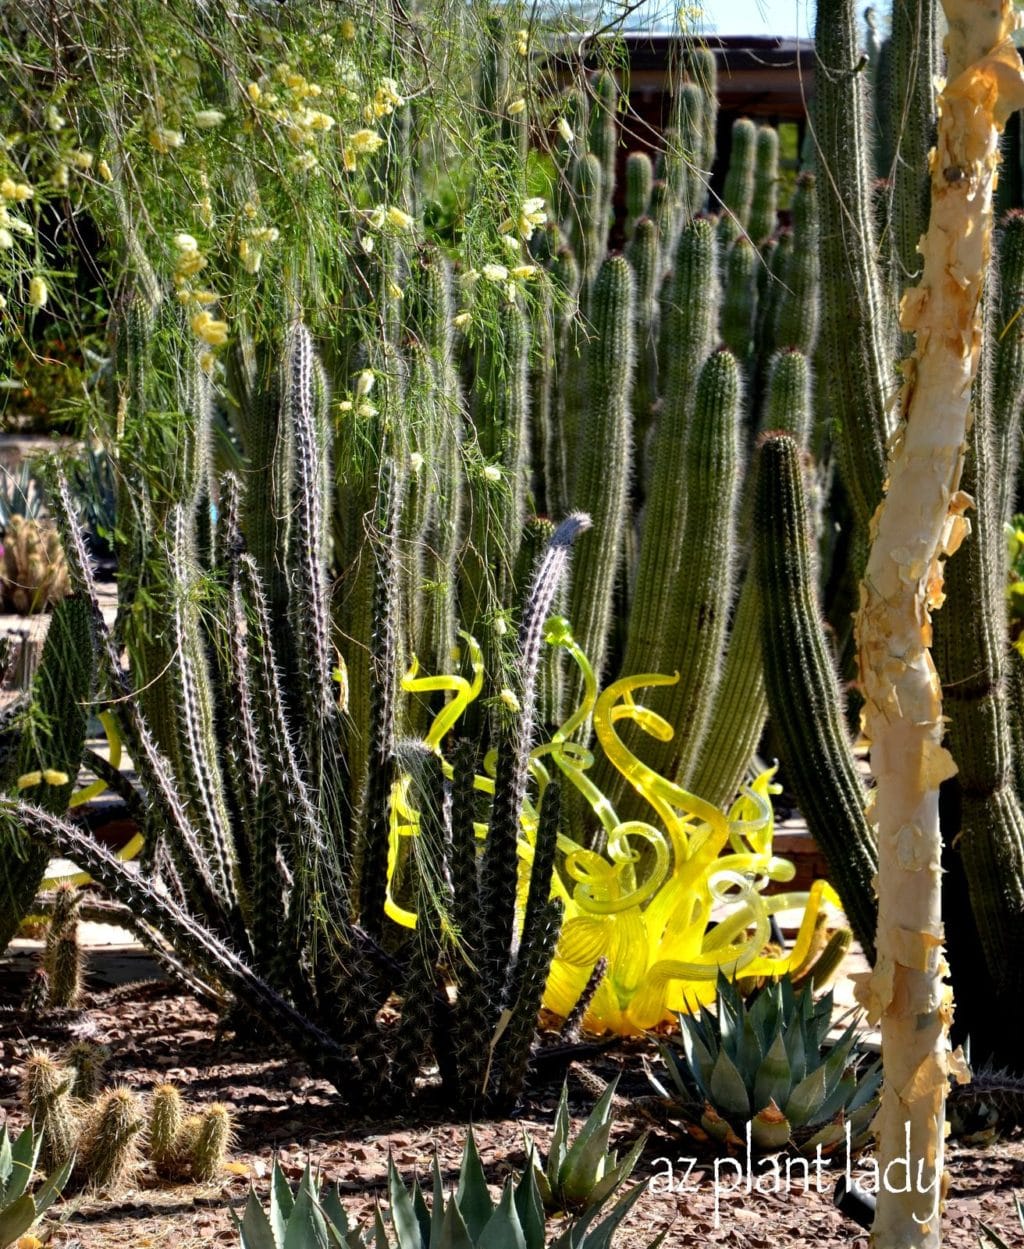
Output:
x,y
156,1034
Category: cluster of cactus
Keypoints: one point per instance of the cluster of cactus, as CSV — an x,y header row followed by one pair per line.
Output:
x,y
384,504
20,1210
761,1068
100,1135
35,572
311,1217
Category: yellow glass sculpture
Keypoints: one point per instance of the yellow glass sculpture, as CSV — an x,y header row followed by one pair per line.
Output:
x,y
643,902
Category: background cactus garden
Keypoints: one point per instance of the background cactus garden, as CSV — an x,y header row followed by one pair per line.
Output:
x,y
480,522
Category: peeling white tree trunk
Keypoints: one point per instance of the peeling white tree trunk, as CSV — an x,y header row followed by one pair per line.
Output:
x,y
919,522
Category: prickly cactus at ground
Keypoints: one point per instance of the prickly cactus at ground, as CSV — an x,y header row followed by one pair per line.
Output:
x,y
86,1061
166,1115
46,1093
108,1144
212,1141
62,956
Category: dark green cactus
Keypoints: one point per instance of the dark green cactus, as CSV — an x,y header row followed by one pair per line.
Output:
x,y
803,690
858,331
603,135
643,254
795,308
604,461
764,202
51,746
639,181
701,595
739,299
738,192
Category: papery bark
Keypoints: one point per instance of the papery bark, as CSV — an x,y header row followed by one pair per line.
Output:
x,y
919,523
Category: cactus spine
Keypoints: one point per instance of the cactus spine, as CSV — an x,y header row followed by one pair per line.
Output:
x,y
604,460
109,1142
62,957
803,691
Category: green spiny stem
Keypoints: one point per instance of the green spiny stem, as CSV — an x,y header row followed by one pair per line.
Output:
x,y
166,802
738,192
108,1145
970,652
604,462
701,67
542,386
739,299
690,127
740,708
666,216
858,333
52,740
429,853
639,180
498,870
587,228
183,931
199,749
305,413
764,203
576,113
603,137
472,1004
512,1055
643,254
701,596
795,310
384,669
771,281
688,329
914,62
565,280
1008,373
788,409
803,689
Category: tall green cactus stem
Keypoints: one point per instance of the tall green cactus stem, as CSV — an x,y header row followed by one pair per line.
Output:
x,y
305,406
666,216
88,1061
565,279
604,457
741,704
738,192
858,332
914,62
52,742
639,181
789,409
1008,373
588,229
701,596
771,283
740,708
689,327
690,127
543,430
739,299
498,869
803,689
603,135
384,668
796,311
529,972
576,114
497,487
700,67
970,652
643,254
764,203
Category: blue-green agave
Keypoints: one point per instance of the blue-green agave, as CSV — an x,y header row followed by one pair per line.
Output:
x,y
20,1209
768,1064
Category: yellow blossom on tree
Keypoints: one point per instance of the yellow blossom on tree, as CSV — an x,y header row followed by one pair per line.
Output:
x,y
212,332
165,140
38,292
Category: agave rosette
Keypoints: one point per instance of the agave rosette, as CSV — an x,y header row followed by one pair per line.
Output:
x,y
643,902
768,1064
